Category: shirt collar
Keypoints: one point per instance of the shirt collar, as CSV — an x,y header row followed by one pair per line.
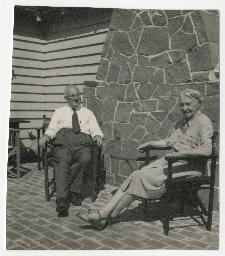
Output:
x,y
68,105
197,114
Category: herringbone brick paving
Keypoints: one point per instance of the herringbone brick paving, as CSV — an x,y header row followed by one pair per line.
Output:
x,y
32,224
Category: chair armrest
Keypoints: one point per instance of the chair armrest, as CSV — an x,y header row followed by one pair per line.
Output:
x,y
130,155
197,180
150,147
173,159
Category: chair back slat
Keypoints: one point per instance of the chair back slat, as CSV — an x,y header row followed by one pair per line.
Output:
x,y
46,121
214,156
214,144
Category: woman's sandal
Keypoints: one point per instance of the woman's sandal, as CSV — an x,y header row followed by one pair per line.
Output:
x,y
99,223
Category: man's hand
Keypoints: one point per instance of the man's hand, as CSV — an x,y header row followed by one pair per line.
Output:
x,y
98,140
43,140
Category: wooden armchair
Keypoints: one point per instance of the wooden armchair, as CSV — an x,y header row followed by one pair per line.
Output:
x,y
184,189
191,186
95,178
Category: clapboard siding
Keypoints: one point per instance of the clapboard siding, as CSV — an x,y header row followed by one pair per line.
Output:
x,y
72,70
59,88
15,97
31,106
26,39
19,62
27,54
31,114
27,80
38,97
61,63
43,68
28,45
98,37
23,71
80,51
73,79
28,88
79,60
92,68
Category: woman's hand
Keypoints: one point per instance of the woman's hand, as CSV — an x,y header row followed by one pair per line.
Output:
x,y
157,144
143,146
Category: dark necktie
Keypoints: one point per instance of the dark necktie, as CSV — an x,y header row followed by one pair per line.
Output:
x,y
75,122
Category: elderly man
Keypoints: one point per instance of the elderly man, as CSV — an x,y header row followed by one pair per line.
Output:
x,y
74,129
192,136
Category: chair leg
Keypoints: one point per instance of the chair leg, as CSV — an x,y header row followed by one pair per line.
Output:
x,y
47,196
166,216
94,174
210,208
39,151
18,154
201,206
166,226
145,201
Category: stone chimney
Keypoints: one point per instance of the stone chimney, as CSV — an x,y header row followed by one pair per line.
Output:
x,y
150,56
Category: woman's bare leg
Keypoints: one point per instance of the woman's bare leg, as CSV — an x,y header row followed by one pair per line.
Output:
x,y
125,201
111,205
118,202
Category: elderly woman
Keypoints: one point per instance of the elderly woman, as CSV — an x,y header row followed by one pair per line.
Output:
x,y
192,136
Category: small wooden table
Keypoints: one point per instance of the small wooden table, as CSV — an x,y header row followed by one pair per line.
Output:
x,y
14,142
15,122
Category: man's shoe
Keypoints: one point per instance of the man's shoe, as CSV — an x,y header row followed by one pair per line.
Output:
x,y
75,199
63,214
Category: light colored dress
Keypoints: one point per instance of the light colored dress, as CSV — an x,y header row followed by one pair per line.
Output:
x,y
194,135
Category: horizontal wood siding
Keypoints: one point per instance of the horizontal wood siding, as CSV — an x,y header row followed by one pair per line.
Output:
x,y
43,68
28,86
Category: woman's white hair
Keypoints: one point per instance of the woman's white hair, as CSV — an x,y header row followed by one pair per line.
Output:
x,y
194,94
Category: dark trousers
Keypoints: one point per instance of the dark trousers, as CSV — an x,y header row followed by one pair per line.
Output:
x,y
72,156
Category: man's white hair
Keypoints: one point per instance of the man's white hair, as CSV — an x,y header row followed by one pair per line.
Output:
x,y
70,88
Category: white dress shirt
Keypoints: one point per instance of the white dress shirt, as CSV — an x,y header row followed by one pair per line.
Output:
x,y
62,118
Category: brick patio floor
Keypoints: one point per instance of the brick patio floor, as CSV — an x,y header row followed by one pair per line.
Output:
x,y
32,224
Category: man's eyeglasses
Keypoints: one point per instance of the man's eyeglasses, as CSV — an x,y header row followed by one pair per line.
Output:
x,y
72,97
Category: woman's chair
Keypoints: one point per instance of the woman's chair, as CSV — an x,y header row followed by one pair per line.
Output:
x,y
183,189
187,188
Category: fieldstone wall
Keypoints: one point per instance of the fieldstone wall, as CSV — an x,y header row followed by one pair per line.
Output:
x,y
150,56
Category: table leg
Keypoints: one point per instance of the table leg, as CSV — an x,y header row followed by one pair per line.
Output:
x,y
17,145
